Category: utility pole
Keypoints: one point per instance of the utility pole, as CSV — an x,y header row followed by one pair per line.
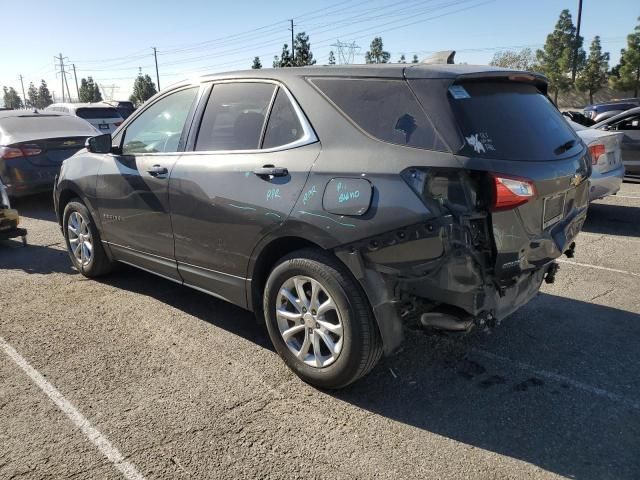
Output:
x,y
293,48
62,79
155,56
67,84
575,50
23,95
76,79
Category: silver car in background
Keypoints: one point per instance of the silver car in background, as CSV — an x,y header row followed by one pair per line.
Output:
x,y
101,115
606,156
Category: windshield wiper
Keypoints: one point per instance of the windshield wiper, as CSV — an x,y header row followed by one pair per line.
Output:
x,y
564,147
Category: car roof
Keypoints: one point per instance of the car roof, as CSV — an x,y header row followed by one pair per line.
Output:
x,y
615,118
75,106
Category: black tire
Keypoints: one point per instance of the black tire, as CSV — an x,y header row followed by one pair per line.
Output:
x,y
362,345
99,263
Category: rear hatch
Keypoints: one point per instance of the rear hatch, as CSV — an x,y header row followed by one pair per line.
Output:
x,y
535,167
105,119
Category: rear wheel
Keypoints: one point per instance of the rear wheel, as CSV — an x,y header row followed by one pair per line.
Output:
x,y
319,320
83,241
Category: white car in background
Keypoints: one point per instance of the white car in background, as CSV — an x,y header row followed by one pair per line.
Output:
x,y
101,115
606,156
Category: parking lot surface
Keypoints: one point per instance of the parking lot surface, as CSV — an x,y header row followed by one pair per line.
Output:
x,y
136,376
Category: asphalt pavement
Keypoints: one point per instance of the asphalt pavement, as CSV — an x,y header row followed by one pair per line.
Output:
x,y
134,376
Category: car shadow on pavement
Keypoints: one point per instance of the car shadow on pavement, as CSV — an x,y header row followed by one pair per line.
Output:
x,y
34,258
555,386
39,207
192,302
613,220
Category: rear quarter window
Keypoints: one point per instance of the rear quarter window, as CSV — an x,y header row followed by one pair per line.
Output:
x,y
384,108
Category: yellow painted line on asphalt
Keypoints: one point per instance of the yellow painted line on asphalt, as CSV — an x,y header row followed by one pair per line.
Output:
x,y
101,442
597,267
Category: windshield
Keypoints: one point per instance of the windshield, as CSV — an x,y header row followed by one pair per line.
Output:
x,y
509,121
105,112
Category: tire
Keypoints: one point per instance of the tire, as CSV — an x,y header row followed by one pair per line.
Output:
x,y
78,216
346,323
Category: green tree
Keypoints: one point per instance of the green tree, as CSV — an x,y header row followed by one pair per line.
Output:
x,y
257,65
143,89
594,74
302,51
629,70
402,59
415,59
11,98
32,96
332,58
522,60
89,91
44,96
555,60
285,59
376,53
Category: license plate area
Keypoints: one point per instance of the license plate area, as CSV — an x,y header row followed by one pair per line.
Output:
x,y
553,209
103,126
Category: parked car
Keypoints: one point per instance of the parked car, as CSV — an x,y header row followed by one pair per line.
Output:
x,y
578,117
606,159
328,200
9,219
601,111
124,107
628,123
33,145
101,115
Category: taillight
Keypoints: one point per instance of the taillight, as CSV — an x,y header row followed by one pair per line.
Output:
x,y
117,124
12,152
510,192
596,150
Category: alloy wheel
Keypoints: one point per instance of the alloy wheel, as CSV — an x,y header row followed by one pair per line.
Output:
x,y
80,240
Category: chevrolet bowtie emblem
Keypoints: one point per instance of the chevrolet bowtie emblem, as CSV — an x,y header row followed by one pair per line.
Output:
x,y
69,142
576,179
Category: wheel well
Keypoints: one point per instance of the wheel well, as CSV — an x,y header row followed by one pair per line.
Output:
x,y
266,261
65,197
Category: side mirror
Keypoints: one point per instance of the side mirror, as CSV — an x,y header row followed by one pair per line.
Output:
x,y
605,127
99,144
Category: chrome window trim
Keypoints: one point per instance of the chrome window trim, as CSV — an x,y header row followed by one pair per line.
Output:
x,y
309,137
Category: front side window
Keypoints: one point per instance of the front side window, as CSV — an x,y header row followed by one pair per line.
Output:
x,y
234,116
158,129
284,125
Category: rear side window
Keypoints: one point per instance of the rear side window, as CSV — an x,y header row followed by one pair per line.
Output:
x,y
284,125
510,121
385,109
89,113
234,116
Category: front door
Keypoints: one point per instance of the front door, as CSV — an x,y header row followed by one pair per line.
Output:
x,y
133,187
240,183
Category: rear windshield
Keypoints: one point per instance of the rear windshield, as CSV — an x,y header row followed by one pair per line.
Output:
x,y
384,108
97,112
510,121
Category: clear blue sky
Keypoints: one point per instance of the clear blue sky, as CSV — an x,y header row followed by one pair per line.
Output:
x,y
113,38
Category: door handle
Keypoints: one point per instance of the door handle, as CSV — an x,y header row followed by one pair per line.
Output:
x,y
271,171
158,171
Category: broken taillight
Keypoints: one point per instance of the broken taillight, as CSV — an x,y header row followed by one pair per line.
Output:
x,y
510,192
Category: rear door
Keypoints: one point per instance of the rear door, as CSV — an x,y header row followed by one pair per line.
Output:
x,y
133,187
509,129
251,157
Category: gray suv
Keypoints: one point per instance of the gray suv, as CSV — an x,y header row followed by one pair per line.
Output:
x,y
333,201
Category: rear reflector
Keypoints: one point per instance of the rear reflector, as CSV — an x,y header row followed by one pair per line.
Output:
x,y
596,150
510,192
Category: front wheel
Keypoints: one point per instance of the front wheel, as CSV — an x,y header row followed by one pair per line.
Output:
x,y
83,241
319,320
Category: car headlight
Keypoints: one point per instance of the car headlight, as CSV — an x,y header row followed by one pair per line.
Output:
x,y
4,197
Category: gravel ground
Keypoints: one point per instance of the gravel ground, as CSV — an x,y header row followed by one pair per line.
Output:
x,y
185,386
